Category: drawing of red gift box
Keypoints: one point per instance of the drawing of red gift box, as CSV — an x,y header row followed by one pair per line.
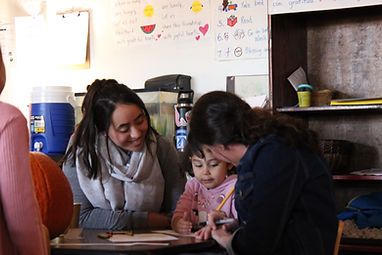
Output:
x,y
232,20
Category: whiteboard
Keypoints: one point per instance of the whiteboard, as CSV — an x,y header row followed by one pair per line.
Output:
x,y
184,36
290,6
135,40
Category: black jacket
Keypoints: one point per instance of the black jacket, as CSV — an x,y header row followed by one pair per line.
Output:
x,y
284,199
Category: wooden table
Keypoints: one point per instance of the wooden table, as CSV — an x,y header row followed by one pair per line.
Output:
x,y
92,244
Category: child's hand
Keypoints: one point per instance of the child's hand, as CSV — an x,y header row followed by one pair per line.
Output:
x,y
203,233
183,225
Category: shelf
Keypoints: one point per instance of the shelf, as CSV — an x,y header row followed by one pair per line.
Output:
x,y
323,109
353,177
361,246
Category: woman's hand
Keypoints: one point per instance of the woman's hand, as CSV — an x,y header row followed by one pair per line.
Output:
x,y
183,225
222,235
205,232
158,221
213,217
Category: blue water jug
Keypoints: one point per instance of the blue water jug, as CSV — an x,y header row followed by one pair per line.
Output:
x,y
51,121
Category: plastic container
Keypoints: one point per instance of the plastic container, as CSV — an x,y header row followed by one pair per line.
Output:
x,y
51,119
321,97
304,95
182,116
160,105
79,99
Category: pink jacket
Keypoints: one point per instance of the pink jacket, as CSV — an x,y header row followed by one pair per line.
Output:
x,y
21,231
198,200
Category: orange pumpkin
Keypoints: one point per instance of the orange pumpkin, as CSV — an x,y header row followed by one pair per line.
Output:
x,y
53,193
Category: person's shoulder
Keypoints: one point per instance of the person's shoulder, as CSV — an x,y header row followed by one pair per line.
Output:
x,y
268,148
272,141
9,109
163,141
165,146
9,112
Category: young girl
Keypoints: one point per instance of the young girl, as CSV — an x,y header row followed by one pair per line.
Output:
x,y
204,192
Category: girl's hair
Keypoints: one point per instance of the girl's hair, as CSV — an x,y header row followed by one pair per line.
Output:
x,y
194,148
223,118
97,108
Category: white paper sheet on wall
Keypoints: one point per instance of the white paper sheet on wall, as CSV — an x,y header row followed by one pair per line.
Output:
x,y
71,38
241,30
30,40
8,42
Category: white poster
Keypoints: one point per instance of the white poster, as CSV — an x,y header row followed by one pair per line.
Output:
x,y
139,22
71,38
7,42
241,30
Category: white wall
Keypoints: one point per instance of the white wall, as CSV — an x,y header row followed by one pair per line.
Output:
x,y
129,65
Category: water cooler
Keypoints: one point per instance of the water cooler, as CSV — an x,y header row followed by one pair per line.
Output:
x,y
51,119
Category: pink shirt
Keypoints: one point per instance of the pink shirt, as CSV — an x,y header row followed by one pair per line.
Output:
x,y
198,200
21,229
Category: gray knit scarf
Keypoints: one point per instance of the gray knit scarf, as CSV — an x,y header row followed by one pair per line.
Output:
x,y
130,181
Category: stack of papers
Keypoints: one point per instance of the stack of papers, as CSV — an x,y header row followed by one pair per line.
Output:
x,y
372,171
357,101
145,237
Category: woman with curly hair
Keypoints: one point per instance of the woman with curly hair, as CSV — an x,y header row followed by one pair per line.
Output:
x,y
283,195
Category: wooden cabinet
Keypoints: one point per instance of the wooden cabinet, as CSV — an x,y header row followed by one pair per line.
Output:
x,y
339,50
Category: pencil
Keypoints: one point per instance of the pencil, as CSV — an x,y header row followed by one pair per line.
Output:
x,y
229,194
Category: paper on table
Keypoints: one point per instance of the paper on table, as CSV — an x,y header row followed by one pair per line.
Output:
x,y
144,237
173,233
111,244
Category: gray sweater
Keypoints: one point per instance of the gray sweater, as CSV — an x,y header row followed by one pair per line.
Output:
x,y
99,218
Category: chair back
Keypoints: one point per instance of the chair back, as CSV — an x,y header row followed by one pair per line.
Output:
x,y
338,238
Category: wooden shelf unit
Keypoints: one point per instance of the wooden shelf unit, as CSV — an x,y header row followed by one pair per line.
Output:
x,y
296,40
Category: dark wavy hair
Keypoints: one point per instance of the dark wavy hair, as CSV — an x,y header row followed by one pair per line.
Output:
x,y
223,118
98,106
193,147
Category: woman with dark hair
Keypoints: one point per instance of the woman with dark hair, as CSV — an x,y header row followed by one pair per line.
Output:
x,y
283,194
123,173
